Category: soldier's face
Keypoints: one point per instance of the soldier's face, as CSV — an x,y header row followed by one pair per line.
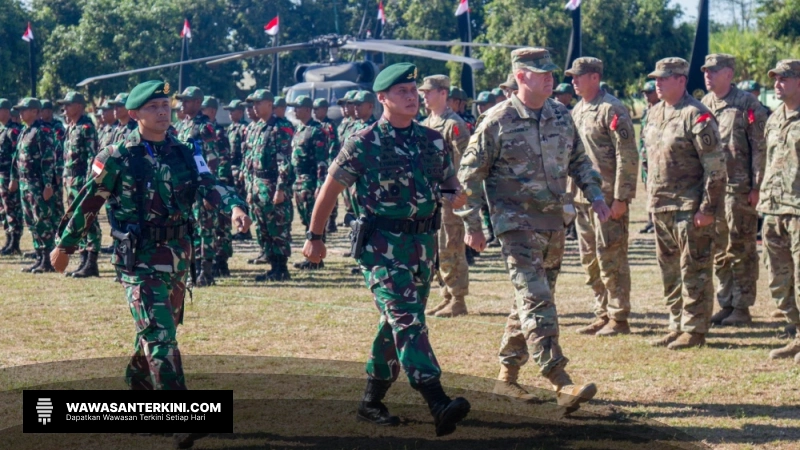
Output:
x,y
211,113
671,88
787,88
191,107
484,107
28,116
717,79
251,113
5,115
401,100
435,99
350,109
154,116
652,97
236,115
585,84
364,110
108,115
263,109
564,99
535,83
45,114
302,114
121,114
320,113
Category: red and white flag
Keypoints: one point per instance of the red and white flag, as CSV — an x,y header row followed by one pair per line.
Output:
x,y
28,36
572,5
463,7
272,27
381,13
187,30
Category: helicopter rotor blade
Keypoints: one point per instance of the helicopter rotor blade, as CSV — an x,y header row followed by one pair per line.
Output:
x,y
476,64
448,43
260,51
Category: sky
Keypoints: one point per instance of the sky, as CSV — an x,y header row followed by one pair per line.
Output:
x,y
718,13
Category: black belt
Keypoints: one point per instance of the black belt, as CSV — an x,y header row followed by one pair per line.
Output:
x,y
406,226
162,234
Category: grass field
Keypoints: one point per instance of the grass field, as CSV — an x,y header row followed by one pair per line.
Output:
x,y
727,394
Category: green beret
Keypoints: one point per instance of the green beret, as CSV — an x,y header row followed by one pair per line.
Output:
x,y
395,74
191,93
120,99
14,112
749,86
457,94
280,102
485,97
72,97
302,101
46,104
364,97
649,86
235,104
144,92
498,93
210,102
321,103
261,95
28,103
5,103
564,88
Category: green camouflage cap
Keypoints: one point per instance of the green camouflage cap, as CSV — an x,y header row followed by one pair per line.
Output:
x,y
301,101
72,97
144,92
119,100
670,66
584,65
649,86
209,101
395,74
280,102
787,68
261,95
14,112
321,103
28,103
191,93
364,97
510,83
535,59
5,103
104,106
564,88
498,92
235,104
749,85
46,104
717,61
485,97
435,82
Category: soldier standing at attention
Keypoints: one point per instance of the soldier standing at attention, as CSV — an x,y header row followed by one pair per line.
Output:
x,y
56,126
741,124
9,201
364,105
329,128
564,93
606,130
124,122
106,132
236,135
400,203
780,200
80,148
485,101
686,183
521,155
453,267
649,92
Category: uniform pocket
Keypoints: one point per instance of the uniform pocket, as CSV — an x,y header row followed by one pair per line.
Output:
x,y
138,305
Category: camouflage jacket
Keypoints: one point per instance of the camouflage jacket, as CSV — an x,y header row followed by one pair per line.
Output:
x,y
224,171
105,135
741,130
454,130
9,135
329,128
236,137
59,133
606,129
35,159
686,166
198,132
80,148
470,120
247,144
523,159
780,190
346,129
270,154
174,174
121,132
309,156
395,173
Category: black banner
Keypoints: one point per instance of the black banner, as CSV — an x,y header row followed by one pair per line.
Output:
x,y
695,84
101,411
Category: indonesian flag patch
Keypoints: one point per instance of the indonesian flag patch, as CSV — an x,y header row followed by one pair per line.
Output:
x,y
97,167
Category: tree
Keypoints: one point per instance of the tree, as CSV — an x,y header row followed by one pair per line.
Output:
x,y
14,83
780,19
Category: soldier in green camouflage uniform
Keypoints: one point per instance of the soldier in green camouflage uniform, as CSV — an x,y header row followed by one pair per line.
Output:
x,y
329,128
57,127
284,159
108,123
606,129
780,200
521,156
32,174
686,183
236,134
485,101
649,93
9,201
565,93
741,126
80,148
197,131
397,168
349,113
124,124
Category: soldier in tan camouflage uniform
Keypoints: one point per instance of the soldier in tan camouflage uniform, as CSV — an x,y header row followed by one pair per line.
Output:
x,y
606,129
780,199
742,122
453,267
685,184
521,155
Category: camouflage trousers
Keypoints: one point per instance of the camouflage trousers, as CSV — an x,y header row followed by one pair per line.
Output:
x,y
604,257
58,186
13,221
205,230
736,253
304,198
685,258
453,266
781,238
533,260
93,240
223,239
39,214
156,303
398,269
273,235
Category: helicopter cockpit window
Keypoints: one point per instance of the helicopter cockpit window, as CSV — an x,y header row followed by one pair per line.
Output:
x,y
338,92
321,93
294,93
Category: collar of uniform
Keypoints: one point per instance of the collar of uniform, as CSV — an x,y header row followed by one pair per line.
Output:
x,y
596,101
729,98
790,115
527,113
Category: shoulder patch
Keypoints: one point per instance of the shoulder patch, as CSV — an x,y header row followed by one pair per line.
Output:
x,y
751,116
614,123
703,117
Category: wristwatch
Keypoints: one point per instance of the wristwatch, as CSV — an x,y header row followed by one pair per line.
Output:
x,y
312,236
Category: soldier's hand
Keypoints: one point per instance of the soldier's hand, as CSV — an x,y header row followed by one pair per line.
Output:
x,y
241,220
59,259
753,198
278,198
618,209
457,201
702,220
476,240
13,186
602,210
47,193
208,206
315,251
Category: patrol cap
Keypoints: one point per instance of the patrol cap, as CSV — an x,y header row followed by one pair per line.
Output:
x,y
364,97
321,103
28,103
649,86
301,101
787,68
280,102
209,101
498,92
510,83
535,59
584,65
457,94
435,82
717,61
564,88
191,93
104,106
395,74
749,86
144,92
5,103
72,97
261,95
234,104
46,104
485,97
670,66
119,100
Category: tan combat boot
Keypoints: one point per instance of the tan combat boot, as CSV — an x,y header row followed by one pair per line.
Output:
x,y
507,385
614,327
777,314
666,340
594,327
791,350
568,394
446,299
688,340
721,315
457,307
738,317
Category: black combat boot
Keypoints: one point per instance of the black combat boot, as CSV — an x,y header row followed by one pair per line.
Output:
x,y
446,412
281,273
308,265
7,244
332,228
372,408
186,440
206,278
45,266
90,269
36,263
107,250
260,259
470,254
81,265
13,249
221,264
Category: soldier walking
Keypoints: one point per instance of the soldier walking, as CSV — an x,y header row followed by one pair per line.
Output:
x,y
9,201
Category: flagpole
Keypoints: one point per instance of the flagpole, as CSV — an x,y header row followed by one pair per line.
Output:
x,y
33,68
469,39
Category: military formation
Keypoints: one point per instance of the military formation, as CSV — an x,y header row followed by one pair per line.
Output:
x,y
426,187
